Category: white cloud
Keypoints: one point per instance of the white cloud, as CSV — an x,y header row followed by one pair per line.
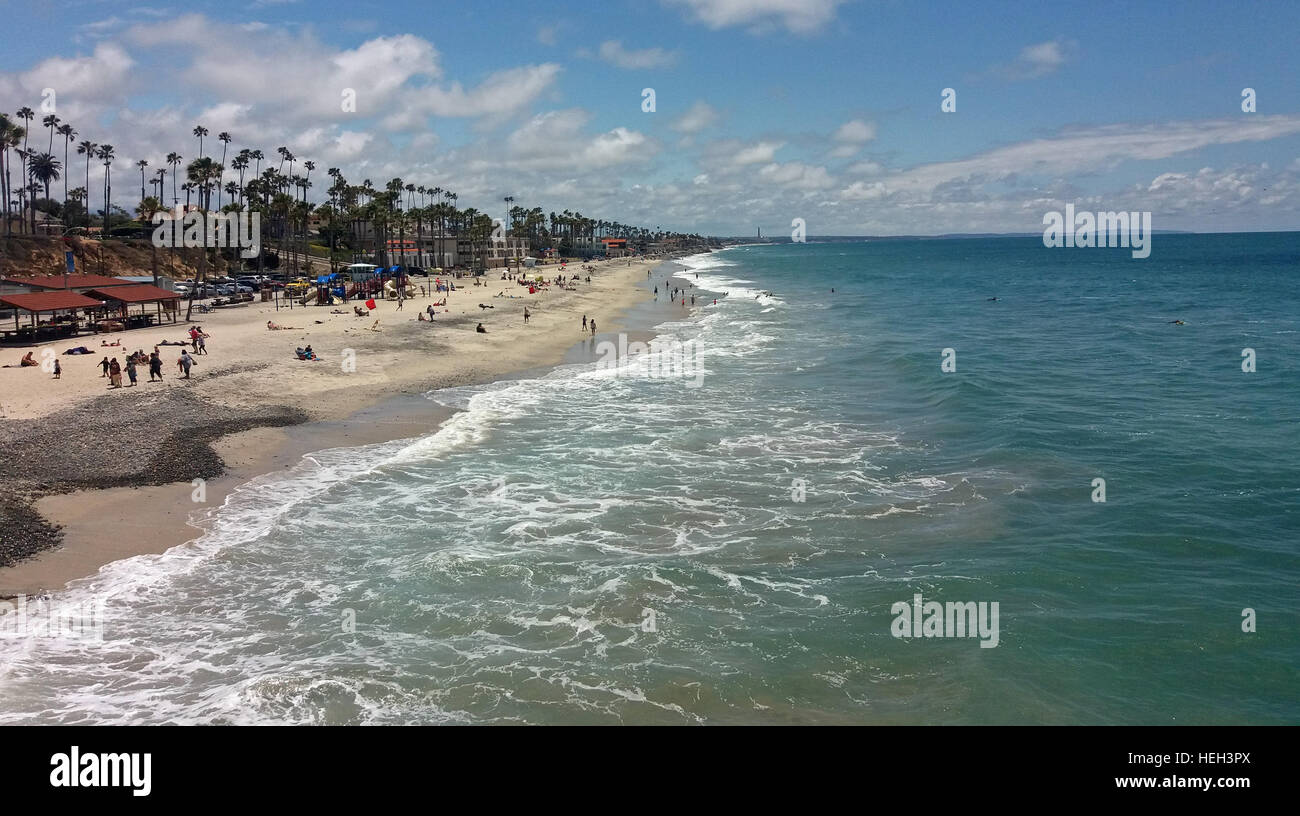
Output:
x,y
798,16
757,153
855,132
613,52
555,141
796,175
1037,60
503,92
700,116
850,137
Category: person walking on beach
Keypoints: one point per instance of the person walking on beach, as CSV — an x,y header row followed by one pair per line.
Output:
x,y
155,366
593,328
186,361
104,365
58,370
526,315
584,322
115,374
130,369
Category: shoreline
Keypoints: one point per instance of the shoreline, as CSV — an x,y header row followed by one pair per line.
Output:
x,y
99,524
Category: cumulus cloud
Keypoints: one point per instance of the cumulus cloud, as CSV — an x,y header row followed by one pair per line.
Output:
x,y
851,136
555,140
1037,60
757,153
613,52
797,16
700,116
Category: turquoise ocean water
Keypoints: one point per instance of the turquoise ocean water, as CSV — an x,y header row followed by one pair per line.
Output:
x,y
618,545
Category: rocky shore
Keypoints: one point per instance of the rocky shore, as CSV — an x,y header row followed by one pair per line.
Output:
x,y
159,438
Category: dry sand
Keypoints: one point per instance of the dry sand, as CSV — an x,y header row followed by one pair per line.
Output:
x,y
357,366
251,365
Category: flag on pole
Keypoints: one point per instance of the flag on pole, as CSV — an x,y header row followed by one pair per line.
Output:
x,y
370,304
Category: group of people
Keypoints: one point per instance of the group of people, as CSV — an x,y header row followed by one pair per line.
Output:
x,y
197,338
112,369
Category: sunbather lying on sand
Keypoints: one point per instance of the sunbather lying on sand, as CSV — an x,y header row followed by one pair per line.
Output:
x,y
276,327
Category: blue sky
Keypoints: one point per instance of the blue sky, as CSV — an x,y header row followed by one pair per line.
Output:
x,y
766,110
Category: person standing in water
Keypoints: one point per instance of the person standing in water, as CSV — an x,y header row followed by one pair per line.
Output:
x,y
593,328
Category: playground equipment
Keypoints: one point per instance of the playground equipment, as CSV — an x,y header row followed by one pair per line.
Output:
x,y
390,290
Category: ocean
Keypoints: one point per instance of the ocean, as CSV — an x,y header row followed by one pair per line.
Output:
x,y
730,527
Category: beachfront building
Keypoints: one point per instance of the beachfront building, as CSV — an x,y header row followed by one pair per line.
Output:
x,y
494,253
615,247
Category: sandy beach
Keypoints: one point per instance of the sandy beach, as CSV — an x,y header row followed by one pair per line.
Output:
x,y
252,407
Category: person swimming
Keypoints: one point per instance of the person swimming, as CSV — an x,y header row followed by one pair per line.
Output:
x,y
1178,322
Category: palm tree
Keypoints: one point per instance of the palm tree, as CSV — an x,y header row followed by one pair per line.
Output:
x,y
44,169
241,164
200,131
88,149
455,231
174,159
26,114
310,165
106,156
224,138
51,122
10,135
78,196
148,208
142,164
68,135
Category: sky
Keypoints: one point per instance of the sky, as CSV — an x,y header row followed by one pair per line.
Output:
x,y
765,111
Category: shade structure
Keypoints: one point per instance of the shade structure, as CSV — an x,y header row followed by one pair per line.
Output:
x,y
35,302
136,293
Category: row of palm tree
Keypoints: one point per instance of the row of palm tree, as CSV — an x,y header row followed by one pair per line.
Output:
x,y
371,215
